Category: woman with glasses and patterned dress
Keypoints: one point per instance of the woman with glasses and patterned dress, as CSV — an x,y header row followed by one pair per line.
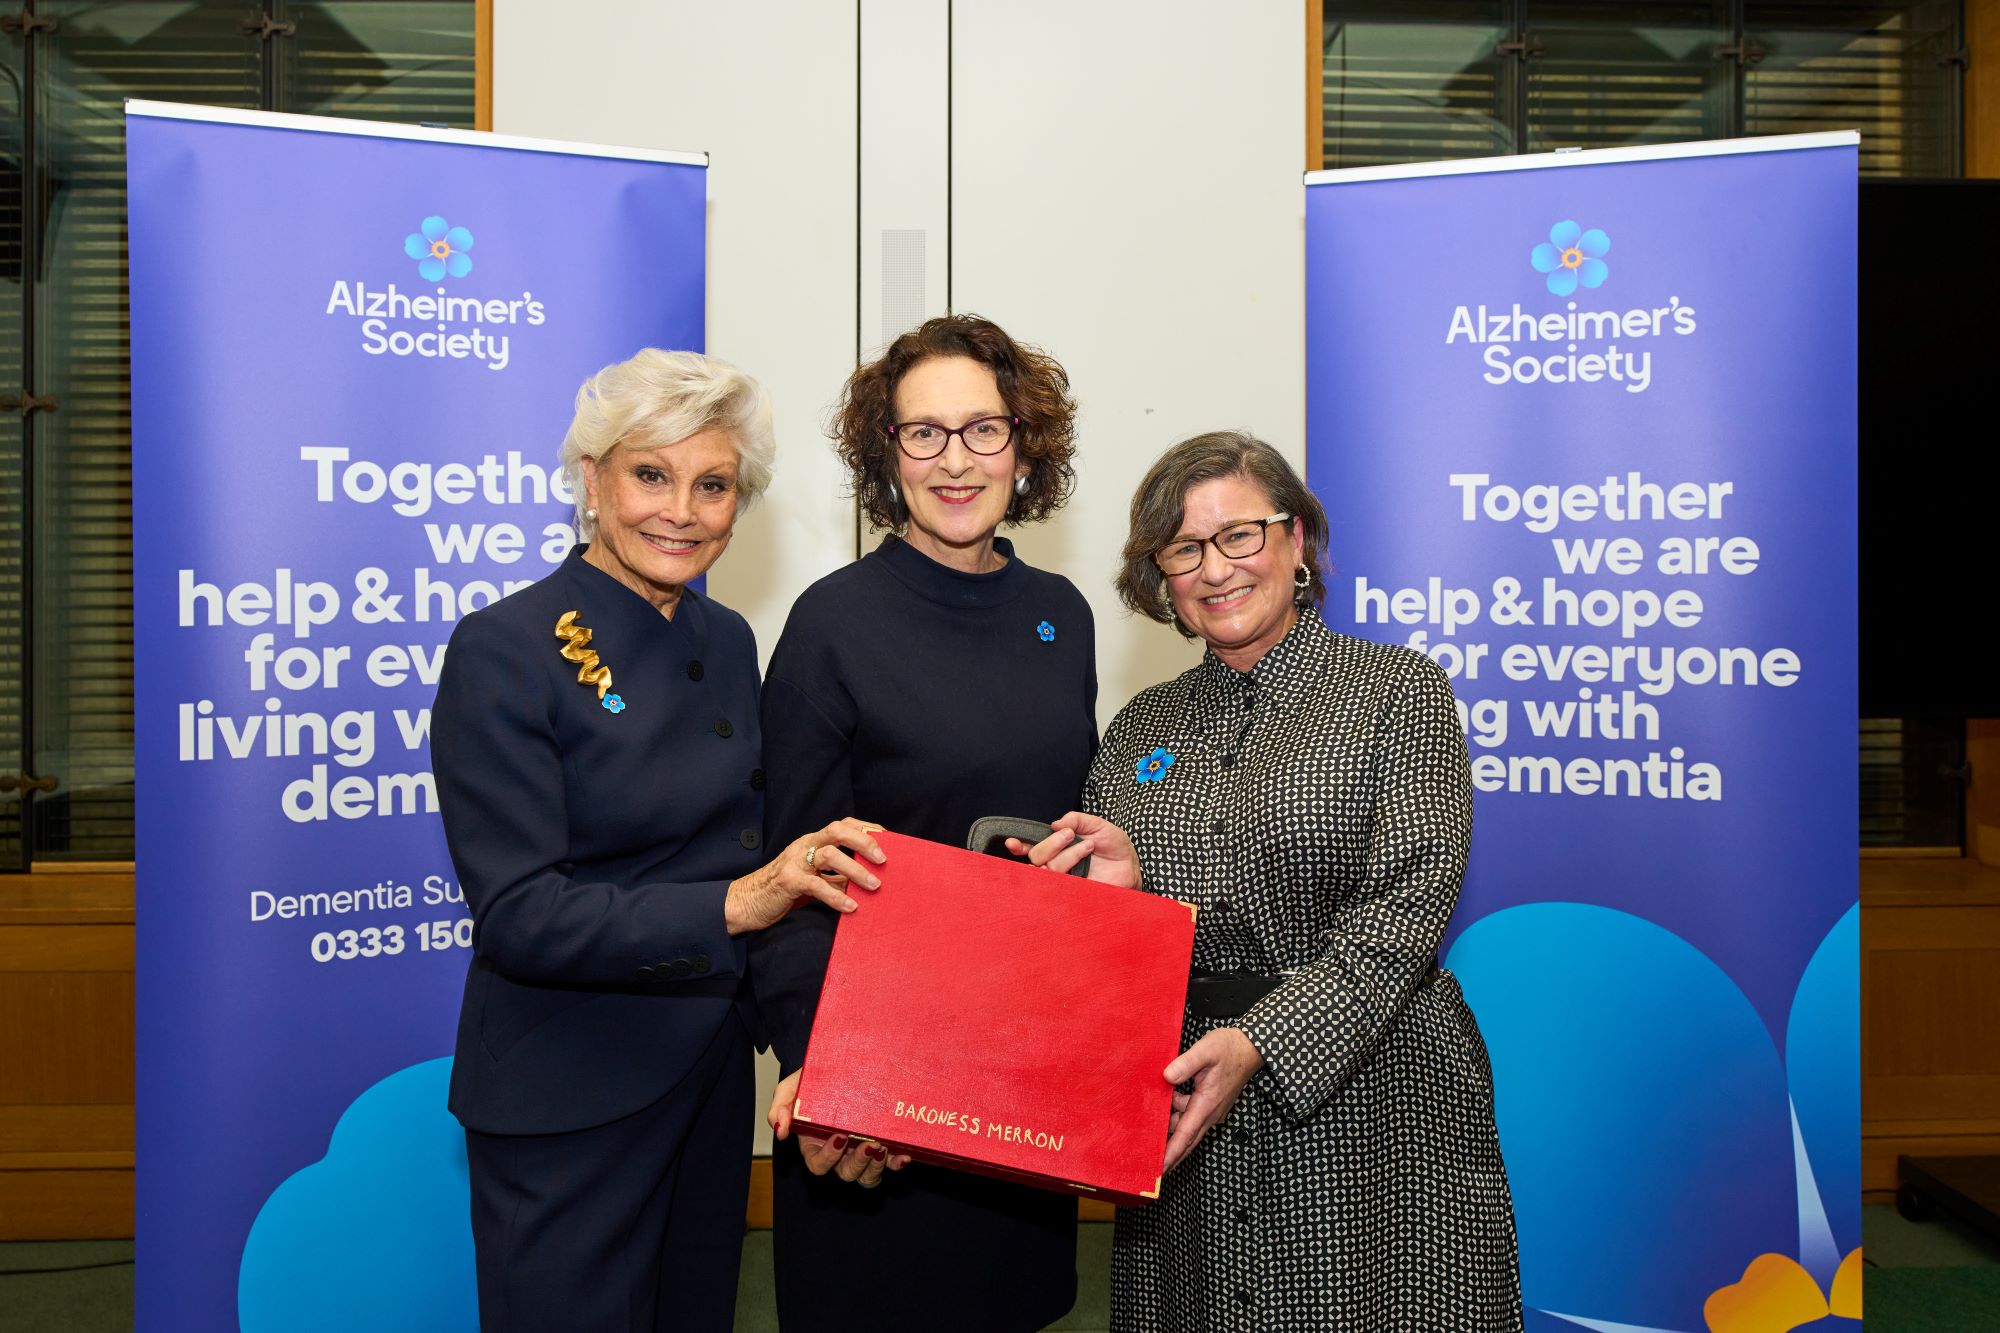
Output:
x,y
1332,1160
936,680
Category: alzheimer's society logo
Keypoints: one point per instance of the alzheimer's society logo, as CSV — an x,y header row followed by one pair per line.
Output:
x,y
1611,347
445,324
1570,256
440,248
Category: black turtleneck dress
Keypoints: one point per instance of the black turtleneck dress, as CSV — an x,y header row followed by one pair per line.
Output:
x,y
919,698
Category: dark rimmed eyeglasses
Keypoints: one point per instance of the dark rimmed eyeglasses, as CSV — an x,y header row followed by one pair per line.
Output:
x,y
1236,542
927,439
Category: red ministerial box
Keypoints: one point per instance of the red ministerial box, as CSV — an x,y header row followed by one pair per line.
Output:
x,y
988,1015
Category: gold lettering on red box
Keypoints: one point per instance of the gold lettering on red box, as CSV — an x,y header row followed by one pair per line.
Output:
x,y
986,1127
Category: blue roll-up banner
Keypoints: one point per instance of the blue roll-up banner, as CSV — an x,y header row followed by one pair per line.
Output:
x,y
355,350
1585,428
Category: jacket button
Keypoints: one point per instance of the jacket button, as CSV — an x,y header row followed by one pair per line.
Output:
x,y
1229,761
1241,1136
748,838
701,963
1243,1214
723,729
683,968
1218,827
645,974
756,779
694,670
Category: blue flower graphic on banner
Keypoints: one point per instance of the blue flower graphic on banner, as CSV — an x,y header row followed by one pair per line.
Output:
x,y
439,249
1649,1198
1572,255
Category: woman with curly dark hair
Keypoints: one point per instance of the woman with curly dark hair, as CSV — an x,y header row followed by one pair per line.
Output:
x,y
937,679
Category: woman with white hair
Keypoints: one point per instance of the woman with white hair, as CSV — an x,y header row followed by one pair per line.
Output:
x,y
599,767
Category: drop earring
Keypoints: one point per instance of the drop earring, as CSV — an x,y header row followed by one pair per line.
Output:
x,y
1021,484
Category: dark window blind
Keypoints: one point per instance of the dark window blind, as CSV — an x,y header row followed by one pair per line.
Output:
x,y
1886,70
1635,74
1414,84
1912,782
1435,80
80,505
408,62
13,476
65,475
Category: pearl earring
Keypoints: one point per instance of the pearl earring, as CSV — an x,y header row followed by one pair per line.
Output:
x,y
1021,484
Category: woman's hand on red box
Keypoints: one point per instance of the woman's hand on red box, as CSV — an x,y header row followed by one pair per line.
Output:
x,y
861,1161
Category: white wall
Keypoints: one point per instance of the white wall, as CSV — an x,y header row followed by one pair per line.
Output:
x,y
767,88
1152,237
1151,234
1149,231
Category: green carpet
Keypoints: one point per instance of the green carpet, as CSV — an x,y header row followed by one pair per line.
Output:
x,y
1931,1300
1930,1277
94,1297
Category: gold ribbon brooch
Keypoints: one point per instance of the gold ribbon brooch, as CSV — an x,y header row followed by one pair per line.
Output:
x,y
590,668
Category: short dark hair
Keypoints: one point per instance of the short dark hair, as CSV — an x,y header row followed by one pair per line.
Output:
x,y
1032,384
1161,500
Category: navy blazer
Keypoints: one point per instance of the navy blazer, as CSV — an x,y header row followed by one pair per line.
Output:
x,y
594,847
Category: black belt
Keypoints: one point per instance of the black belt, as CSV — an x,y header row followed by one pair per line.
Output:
x,y
1233,994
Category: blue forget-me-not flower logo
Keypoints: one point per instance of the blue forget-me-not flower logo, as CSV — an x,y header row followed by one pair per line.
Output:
x,y
1572,255
1154,766
439,249
1046,631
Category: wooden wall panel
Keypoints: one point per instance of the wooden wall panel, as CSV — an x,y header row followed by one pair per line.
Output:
x,y
75,1128
65,1037
1982,89
1315,84
66,1057
1930,1013
1982,734
77,1204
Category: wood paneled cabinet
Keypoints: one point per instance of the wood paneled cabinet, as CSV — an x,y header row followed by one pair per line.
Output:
x,y
1930,1013
65,1056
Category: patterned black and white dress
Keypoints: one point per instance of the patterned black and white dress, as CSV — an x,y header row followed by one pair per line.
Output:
x,y
1317,810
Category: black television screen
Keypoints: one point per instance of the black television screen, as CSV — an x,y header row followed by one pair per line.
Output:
x,y
1929,293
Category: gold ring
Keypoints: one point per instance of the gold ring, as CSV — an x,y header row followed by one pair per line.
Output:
x,y
812,853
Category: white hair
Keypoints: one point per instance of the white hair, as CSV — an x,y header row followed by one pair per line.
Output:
x,y
661,398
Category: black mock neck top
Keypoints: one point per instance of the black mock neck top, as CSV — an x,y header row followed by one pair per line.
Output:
x,y
921,698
